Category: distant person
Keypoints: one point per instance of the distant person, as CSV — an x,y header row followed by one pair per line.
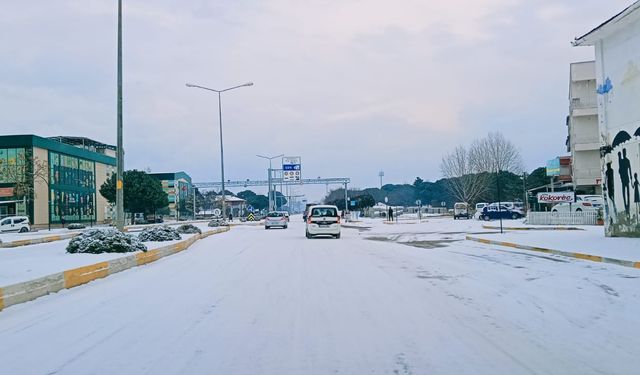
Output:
x,y
390,214
624,169
636,194
230,217
610,186
62,220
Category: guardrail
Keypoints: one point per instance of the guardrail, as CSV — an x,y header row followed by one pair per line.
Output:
x,y
562,218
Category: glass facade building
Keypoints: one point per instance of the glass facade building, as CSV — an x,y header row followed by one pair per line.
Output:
x,y
54,180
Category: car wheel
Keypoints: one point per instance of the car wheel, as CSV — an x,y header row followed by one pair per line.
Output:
x,y
308,235
23,230
266,227
337,235
486,218
285,227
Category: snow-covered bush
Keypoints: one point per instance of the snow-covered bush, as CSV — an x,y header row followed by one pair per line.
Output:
x,y
162,233
189,229
97,241
74,226
217,223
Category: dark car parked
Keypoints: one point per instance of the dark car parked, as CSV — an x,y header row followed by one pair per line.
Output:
x,y
491,212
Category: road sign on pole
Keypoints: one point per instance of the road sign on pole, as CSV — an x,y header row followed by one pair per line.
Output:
x,y
291,168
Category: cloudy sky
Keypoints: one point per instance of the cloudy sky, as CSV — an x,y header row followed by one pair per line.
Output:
x,y
351,86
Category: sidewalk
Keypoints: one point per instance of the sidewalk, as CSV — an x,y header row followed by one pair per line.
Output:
x,y
590,241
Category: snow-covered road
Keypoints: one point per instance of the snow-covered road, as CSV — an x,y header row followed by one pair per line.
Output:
x,y
252,301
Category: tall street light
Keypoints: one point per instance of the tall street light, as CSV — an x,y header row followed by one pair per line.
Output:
x,y
269,176
119,151
221,144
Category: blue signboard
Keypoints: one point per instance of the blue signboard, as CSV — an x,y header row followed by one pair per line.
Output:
x,y
553,167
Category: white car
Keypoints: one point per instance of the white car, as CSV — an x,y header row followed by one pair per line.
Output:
x,y
275,219
583,203
15,224
323,220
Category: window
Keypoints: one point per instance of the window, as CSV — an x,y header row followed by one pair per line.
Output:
x,y
324,212
5,222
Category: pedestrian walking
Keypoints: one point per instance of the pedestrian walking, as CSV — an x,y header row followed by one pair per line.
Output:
x,y
390,216
62,220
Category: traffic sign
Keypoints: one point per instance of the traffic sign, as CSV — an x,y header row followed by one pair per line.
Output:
x,y
418,202
291,168
217,212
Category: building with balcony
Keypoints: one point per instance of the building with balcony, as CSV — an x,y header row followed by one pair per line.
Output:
x,y
617,67
54,180
582,126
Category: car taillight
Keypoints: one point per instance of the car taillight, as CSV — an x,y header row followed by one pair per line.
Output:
x,y
587,204
338,219
308,219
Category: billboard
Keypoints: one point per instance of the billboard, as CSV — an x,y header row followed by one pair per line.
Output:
x,y
291,168
563,197
553,167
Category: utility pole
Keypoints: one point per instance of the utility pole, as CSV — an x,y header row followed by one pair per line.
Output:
x,y
381,174
120,151
194,203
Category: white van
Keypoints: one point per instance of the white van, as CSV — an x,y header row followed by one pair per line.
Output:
x,y
460,210
323,220
15,224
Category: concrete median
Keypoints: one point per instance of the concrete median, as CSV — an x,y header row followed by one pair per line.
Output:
x,y
29,290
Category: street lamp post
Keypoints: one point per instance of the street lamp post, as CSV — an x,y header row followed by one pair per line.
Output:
x,y
221,144
119,150
269,176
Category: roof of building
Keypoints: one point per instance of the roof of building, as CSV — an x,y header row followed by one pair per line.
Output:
x,y
172,176
610,26
82,141
230,198
30,140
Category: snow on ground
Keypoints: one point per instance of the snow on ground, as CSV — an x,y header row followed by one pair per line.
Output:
x,y
252,301
591,241
30,262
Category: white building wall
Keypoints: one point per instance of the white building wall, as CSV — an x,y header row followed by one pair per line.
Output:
x,y
583,128
618,77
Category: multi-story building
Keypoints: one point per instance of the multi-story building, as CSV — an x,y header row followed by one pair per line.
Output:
x,y
617,51
582,124
178,187
54,180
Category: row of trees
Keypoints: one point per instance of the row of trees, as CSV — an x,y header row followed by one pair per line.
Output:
x,y
512,188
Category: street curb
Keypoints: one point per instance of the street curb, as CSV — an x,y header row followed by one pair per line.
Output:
x,y
29,290
582,256
531,228
34,241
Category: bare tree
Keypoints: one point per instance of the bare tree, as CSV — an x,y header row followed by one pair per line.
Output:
x,y
495,153
463,181
25,175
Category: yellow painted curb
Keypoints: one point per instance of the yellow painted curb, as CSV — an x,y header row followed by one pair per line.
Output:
x,y
147,257
83,275
582,256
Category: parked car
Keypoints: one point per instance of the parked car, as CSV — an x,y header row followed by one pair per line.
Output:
x,y
323,220
15,224
478,212
583,203
461,210
275,219
491,212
